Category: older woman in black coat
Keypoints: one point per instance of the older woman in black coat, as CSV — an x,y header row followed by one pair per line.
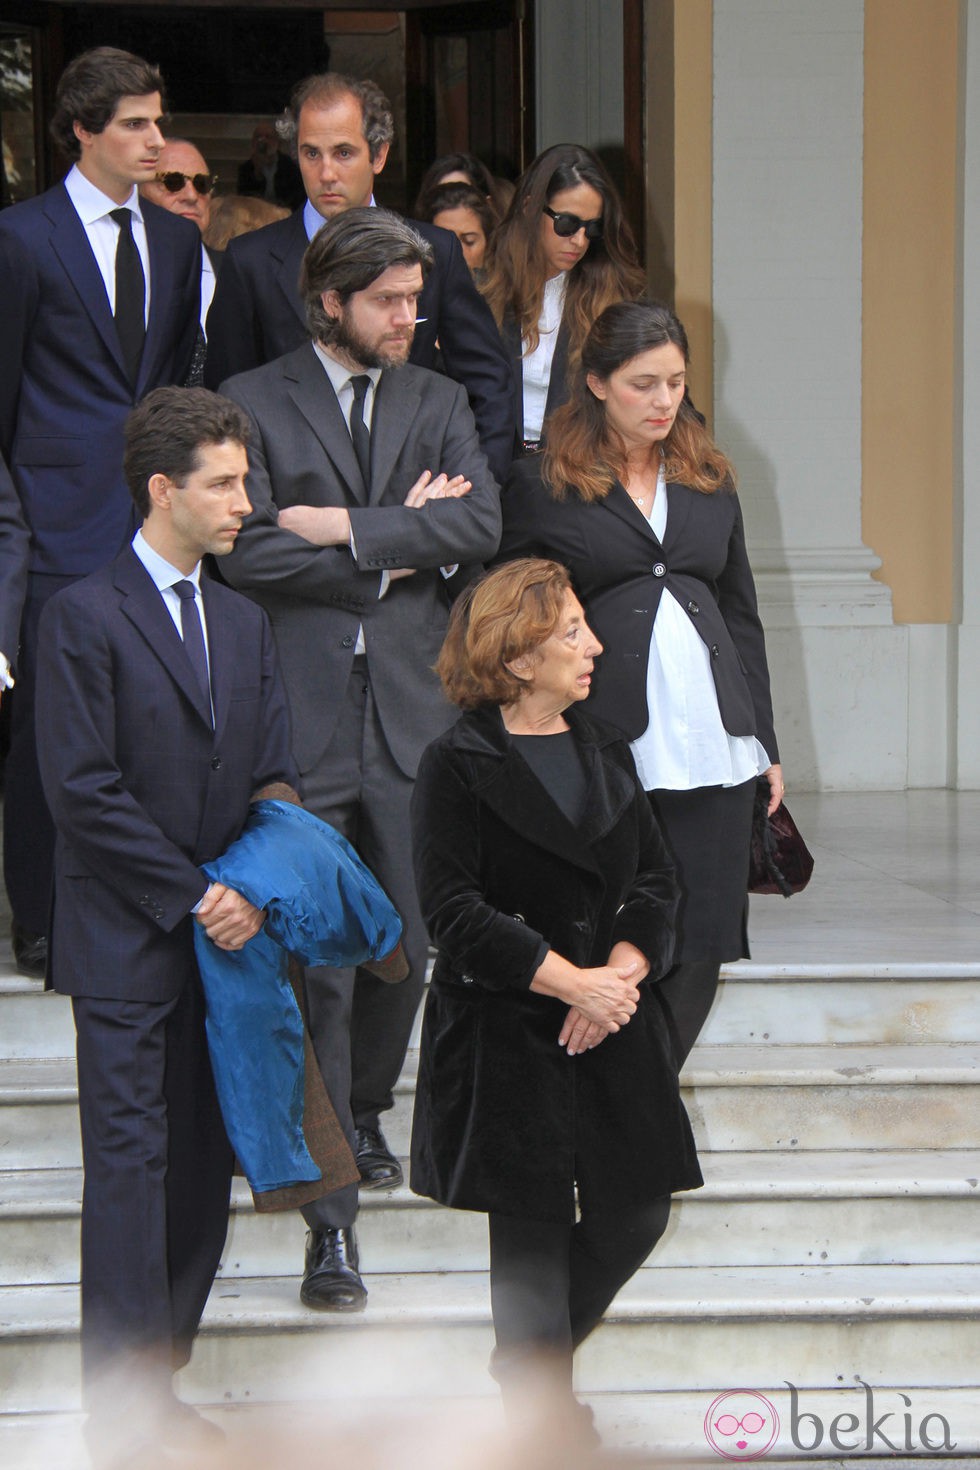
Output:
x,y
637,501
546,1074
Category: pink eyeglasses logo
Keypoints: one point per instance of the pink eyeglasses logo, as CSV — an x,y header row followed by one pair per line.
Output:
x,y
741,1425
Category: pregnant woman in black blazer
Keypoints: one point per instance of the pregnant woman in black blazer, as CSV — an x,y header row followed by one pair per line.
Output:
x,y
635,498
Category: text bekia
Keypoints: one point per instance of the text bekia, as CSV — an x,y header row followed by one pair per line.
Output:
x,y
898,1430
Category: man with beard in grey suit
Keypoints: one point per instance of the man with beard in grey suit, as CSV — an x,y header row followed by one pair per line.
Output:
x,y
369,487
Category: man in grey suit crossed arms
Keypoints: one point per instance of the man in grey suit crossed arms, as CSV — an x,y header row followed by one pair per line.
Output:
x,y
369,486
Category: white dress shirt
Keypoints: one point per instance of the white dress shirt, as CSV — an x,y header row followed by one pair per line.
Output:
x,y
685,744
165,577
93,209
208,283
536,367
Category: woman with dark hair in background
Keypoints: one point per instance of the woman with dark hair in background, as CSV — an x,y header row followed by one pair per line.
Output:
x,y
463,168
636,499
563,253
466,213
547,1092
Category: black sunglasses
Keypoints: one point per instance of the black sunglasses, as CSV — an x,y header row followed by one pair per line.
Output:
x,y
173,181
570,224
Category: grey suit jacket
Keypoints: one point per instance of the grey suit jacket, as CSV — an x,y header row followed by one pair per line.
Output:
x,y
316,596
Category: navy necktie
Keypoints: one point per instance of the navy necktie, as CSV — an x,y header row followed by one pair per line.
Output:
x,y
193,635
130,312
358,428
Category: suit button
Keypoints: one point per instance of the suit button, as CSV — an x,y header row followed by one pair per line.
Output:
x,y
659,570
466,979
715,651
693,609
347,642
216,763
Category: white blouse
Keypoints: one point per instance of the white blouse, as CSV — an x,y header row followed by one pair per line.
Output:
x,y
685,745
536,367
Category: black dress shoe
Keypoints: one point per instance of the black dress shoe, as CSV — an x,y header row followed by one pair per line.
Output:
x,y
332,1282
30,952
378,1165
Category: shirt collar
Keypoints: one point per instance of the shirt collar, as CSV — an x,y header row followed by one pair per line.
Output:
x,y
161,572
313,223
340,375
90,203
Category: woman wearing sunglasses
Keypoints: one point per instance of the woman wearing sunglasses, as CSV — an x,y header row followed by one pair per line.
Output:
x,y
561,255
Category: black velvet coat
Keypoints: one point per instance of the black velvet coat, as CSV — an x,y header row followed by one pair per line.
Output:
x,y
505,1119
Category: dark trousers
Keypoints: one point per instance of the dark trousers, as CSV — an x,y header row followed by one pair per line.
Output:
x,y
28,831
157,1183
551,1283
689,991
361,1026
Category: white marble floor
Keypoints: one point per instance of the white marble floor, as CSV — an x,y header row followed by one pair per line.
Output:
x,y
896,881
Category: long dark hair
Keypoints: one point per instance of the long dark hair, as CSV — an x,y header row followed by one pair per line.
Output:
x,y
515,263
585,453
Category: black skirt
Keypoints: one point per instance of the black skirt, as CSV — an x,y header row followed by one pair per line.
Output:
x,y
708,831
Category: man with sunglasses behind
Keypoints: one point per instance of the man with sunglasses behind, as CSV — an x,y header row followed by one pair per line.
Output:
x,y
183,184
101,293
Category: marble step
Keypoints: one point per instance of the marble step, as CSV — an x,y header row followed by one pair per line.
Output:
x,y
786,1004
827,1208
428,1334
662,1429
741,1098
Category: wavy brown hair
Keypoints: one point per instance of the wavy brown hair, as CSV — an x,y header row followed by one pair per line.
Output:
x,y
515,264
508,613
585,453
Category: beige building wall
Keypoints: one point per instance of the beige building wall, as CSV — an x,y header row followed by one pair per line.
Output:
x,y
910,300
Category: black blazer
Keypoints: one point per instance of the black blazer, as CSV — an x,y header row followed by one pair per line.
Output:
x,y
504,1119
620,569
257,315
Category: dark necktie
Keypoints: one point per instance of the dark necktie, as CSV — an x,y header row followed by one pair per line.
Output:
x,y
193,635
358,428
130,313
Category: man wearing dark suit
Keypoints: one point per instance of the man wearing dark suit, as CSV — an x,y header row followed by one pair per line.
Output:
x,y
183,184
161,712
343,129
100,306
368,482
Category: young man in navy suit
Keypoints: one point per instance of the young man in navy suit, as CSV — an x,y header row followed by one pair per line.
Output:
x,y
100,306
161,714
342,129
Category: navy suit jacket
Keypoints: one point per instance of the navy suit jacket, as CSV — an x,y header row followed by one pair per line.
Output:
x,y
142,789
14,551
64,392
257,315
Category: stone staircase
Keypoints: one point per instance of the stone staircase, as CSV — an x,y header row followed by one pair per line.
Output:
x,y
834,1246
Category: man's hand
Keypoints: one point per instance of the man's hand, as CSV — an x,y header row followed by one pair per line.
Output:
x,y
322,525
440,487
228,919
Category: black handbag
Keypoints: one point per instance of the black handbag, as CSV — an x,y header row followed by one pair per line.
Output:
x,y
779,859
